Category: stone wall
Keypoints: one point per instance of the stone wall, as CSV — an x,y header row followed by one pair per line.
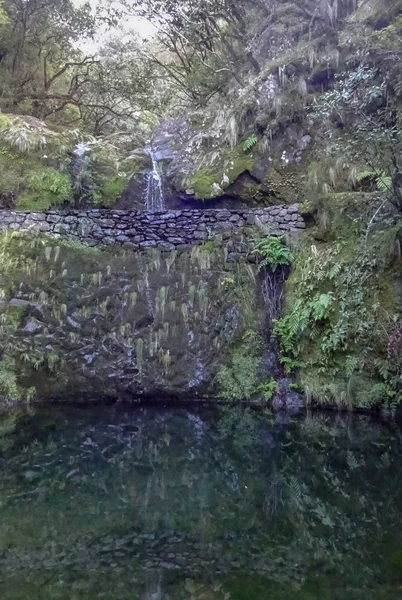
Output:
x,y
139,230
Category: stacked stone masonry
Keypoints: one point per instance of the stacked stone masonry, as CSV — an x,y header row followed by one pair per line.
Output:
x,y
169,230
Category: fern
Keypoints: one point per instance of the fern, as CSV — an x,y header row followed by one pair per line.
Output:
x,y
384,183
250,142
290,364
320,305
382,179
289,327
351,364
274,253
351,460
335,270
268,389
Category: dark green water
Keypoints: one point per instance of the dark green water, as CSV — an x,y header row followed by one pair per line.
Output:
x,y
153,503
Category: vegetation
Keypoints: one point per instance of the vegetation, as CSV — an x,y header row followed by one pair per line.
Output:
x,y
273,252
341,321
268,103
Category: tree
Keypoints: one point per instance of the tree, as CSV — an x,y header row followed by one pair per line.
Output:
x,y
203,45
42,71
125,86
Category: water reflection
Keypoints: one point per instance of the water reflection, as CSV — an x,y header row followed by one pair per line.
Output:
x,y
238,504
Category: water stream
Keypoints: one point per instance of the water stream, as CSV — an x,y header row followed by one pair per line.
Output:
x,y
154,195
196,504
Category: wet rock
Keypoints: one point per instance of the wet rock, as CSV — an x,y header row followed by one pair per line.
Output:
x,y
287,399
33,325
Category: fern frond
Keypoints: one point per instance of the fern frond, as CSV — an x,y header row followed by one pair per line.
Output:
x,y
250,142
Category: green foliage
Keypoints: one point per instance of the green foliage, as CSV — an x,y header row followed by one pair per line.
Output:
x,y
290,364
240,380
336,326
3,15
250,142
9,389
24,134
268,389
382,180
274,253
46,187
112,189
291,326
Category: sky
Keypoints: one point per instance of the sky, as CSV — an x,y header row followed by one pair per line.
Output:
x,y
141,26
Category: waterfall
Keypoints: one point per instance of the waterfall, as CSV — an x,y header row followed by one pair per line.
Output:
x,y
154,200
80,171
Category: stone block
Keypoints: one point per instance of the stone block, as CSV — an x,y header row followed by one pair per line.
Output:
x,y
176,240
53,218
37,216
107,223
166,246
61,228
17,226
85,227
199,235
109,241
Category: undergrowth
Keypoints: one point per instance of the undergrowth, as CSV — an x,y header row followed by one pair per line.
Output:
x,y
341,327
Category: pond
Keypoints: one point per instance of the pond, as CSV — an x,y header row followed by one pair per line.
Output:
x,y
152,503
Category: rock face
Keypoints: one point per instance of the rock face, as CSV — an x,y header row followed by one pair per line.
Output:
x,y
137,230
79,322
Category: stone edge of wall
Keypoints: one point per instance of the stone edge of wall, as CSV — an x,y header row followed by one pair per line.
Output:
x,y
138,230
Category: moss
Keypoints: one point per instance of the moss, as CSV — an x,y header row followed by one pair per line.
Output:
x,y
101,304
284,185
238,163
209,246
210,182
45,187
14,315
111,190
203,182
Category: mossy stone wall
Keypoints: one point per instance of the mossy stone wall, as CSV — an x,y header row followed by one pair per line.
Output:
x,y
138,230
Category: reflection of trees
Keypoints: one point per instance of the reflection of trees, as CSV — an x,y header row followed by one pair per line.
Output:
x,y
327,485
247,493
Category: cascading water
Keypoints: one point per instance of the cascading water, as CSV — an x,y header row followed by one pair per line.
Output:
x,y
80,170
154,199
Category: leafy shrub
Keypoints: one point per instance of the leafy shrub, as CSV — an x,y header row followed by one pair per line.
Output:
x,y
112,190
240,381
46,187
274,253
